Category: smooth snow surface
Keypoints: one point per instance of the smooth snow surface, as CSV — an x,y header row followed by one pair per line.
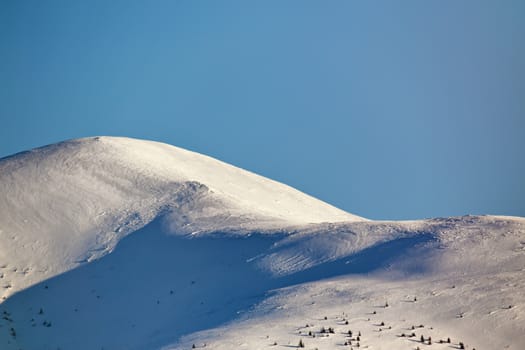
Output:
x,y
114,243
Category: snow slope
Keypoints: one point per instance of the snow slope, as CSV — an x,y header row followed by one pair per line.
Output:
x,y
72,202
113,243
461,279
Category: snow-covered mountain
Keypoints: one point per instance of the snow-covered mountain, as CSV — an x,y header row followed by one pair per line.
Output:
x,y
116,243
72,202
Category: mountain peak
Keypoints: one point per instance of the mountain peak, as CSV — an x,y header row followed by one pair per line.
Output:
x,y
273,258
75,200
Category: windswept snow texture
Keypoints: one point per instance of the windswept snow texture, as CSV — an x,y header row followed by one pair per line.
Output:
x,y
113,243
69,203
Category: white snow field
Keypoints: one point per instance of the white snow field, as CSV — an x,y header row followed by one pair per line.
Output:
x,y
117,243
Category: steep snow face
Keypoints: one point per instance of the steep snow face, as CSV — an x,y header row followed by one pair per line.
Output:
x,y
73,201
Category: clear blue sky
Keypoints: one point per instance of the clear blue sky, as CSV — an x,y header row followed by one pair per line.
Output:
x,y
389,110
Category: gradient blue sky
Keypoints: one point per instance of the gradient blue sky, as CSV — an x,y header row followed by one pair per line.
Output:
x,y
389,110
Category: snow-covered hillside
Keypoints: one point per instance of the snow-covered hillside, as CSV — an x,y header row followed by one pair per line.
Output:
x,y
68,203
115,243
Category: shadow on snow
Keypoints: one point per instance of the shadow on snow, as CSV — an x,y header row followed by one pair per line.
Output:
x,y
156,287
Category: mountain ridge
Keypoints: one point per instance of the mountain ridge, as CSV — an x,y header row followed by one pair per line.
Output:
x,y
142,245
73,201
